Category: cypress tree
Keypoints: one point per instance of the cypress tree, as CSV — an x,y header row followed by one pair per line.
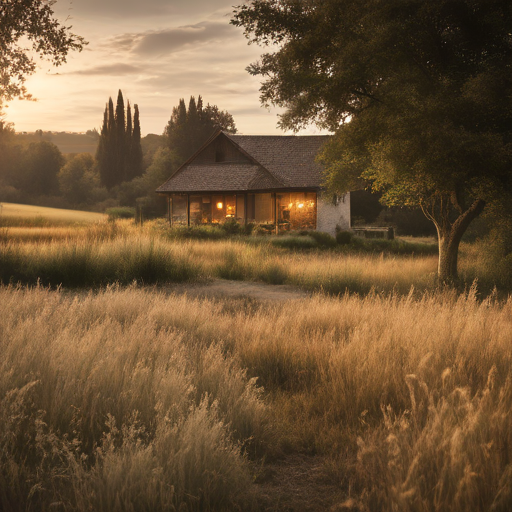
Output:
x,y
119,153
200,108
111,178
128,144
193,126
136,147
101,152
120,138
176,131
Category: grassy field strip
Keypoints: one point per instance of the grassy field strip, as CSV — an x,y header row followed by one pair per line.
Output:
x,y
96,262
79,256
105,255
329,272
58,215
128,397
42,234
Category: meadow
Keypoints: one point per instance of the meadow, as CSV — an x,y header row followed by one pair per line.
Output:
x,y
18,215
120,396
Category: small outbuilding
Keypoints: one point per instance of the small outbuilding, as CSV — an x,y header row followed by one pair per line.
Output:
x,y
273,181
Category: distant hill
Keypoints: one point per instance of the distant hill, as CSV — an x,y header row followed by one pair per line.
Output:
x,y
67,142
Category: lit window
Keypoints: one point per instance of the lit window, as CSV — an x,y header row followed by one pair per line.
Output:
x,y
220,205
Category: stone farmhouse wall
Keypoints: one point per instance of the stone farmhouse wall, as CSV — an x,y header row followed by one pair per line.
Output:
x,y
333,212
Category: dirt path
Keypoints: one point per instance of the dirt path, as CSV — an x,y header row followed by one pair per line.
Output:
x,y
221,288
298,482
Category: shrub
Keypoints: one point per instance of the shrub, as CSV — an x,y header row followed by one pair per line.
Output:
x,y
264,229
231,227
323,239
343,237
206,232
120,212
248,228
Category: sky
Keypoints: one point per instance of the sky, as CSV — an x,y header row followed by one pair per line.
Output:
x,y
156,52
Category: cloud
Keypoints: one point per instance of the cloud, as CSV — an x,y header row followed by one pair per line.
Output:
x,y
110,70
126,9
173,39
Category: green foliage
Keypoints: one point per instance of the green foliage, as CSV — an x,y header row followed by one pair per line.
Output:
x,y
119,152
231,227
134,152
396,246
294,242
343,237
79,181
141,190
323,240
39,169
120,212
207,232
188,129
150,144
33,22
418,95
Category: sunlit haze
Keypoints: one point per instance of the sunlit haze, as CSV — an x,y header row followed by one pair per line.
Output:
x,y
156,52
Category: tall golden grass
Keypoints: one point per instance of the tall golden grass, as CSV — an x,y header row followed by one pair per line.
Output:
x,y
119,251
134,398
103,407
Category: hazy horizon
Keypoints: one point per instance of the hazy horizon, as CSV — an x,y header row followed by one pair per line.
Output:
x,y
156,53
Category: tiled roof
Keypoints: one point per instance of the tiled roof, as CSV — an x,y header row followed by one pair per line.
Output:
x,y
220,177
291,159
284,162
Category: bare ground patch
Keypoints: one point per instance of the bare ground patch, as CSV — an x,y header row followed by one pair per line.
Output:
x,y
221,288
298,483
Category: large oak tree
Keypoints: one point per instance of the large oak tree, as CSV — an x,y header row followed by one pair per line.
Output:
x,y
32,22
418,94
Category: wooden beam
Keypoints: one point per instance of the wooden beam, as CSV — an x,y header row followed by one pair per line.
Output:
x,y
276,217
245,209
188,210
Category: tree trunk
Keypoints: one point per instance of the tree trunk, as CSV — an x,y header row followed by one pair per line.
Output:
x,y
450,235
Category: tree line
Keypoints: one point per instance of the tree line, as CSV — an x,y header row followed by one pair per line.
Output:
x,y
126,168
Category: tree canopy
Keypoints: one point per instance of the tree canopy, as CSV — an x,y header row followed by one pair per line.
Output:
x,y
119,153
31,20
188,129
418,95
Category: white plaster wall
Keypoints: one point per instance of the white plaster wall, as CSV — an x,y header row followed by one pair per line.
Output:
x,y
330,215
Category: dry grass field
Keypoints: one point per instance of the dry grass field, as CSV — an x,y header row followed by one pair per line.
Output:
x,y
385,393
12,214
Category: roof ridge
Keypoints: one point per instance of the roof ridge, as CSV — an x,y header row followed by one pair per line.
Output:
x,y
243,151
186,162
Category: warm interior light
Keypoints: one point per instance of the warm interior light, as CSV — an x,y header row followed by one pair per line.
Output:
x,y
290,205
219,206
301,205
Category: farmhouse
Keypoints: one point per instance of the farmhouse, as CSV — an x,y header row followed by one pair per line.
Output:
x,y
273,181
